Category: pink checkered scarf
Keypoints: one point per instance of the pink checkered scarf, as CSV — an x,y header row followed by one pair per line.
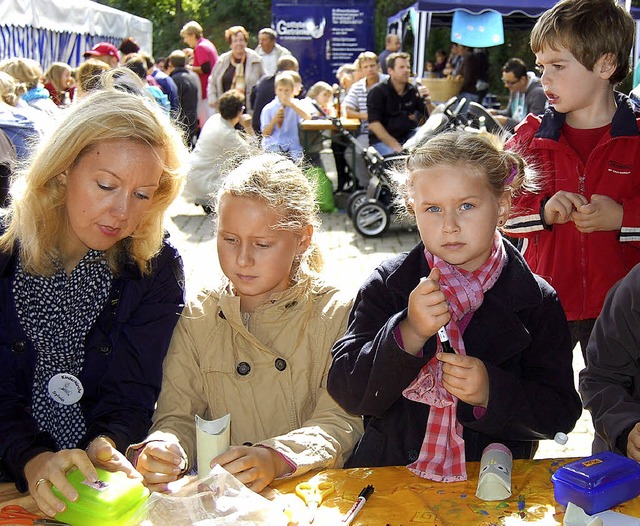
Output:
x,y
442,456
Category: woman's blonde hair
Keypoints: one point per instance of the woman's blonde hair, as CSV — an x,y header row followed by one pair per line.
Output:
x,y
54,74
37,218
280,184
503,170
10,89
24,70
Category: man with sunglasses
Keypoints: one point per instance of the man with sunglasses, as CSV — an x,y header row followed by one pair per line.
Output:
x,y
525,94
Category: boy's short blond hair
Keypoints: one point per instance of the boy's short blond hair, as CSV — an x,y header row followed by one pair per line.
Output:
x,y
589,29
284,79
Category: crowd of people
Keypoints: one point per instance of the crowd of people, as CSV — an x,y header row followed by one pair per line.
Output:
x,y
103,364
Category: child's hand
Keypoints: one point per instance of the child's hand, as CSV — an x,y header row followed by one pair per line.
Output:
x,y
428,311
466,378
256,467
285,101
103,454
633,443
600,215
279,118
160,462
559,208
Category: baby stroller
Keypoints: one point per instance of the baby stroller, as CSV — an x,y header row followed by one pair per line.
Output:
x,y
372,209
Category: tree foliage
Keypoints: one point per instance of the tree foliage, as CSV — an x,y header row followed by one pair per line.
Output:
x,y
168,16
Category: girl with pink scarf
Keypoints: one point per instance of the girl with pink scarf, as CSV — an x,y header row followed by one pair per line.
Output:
x,y
510,379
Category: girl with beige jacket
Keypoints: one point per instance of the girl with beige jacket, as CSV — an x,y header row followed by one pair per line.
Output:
x,y
259,346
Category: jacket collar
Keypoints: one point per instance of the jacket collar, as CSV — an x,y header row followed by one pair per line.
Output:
x,y
517,287
623,123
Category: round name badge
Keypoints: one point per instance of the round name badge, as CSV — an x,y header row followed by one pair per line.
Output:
x,y
65,388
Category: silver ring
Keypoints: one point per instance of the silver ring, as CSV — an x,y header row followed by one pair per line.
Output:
x,y
40,481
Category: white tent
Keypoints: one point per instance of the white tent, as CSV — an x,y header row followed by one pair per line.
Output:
x,y
62,30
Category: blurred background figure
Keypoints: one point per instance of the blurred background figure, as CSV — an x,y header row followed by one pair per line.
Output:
x,y
202,58
105,52
526,94
188,89
88,77
139,66
59,83
239,69
219,141
392,44
269,50
29,73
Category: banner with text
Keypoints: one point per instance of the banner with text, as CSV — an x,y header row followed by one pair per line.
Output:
x,y
324,36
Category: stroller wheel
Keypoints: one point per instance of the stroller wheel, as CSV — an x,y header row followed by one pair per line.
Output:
x,y
356,199
371,219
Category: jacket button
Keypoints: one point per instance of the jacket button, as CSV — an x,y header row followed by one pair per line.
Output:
x,y
243,368
19,346
412,455
281,364
105,349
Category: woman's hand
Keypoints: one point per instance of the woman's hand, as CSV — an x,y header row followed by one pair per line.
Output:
x,y
255,466
47,469
161,462
466,378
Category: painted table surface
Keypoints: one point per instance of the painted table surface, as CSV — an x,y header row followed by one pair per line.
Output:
x,y
326,124
402,498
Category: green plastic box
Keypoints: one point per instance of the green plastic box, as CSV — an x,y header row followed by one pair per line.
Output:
x,y
115,500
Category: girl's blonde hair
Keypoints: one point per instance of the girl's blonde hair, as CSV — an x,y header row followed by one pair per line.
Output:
x,y
503,170
319,87
54,75
37,219
10,89
24,70
281,185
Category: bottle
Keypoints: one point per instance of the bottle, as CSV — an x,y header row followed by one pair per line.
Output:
x,y
336,100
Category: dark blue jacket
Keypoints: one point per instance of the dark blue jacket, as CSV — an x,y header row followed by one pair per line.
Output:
x,y
520,333
122,370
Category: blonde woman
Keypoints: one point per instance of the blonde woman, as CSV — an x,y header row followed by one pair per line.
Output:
x,y
90,291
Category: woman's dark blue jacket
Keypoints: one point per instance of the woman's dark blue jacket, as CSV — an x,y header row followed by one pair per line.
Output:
x,y
122,369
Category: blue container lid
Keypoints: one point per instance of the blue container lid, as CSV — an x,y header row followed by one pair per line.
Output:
x,y
598,471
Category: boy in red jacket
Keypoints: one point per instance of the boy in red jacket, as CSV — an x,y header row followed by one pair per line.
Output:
x,y
581,229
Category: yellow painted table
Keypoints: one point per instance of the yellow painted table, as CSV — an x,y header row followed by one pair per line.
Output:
x,y
404,499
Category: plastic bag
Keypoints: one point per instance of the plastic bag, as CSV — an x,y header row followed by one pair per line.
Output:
x,y
324,189
217,499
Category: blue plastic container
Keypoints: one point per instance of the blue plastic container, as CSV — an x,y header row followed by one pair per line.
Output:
x,y
598,482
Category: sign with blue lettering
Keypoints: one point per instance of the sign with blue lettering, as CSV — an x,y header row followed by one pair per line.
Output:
x,y
324,36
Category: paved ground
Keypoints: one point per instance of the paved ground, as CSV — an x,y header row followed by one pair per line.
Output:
x,y
349,259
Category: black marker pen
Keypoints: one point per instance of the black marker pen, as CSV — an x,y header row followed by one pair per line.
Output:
x,y
444,340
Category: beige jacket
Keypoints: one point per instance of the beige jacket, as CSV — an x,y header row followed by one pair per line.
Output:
x,y
281,401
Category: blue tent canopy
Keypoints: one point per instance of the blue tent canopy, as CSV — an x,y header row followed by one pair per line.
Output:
x,y
425,14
